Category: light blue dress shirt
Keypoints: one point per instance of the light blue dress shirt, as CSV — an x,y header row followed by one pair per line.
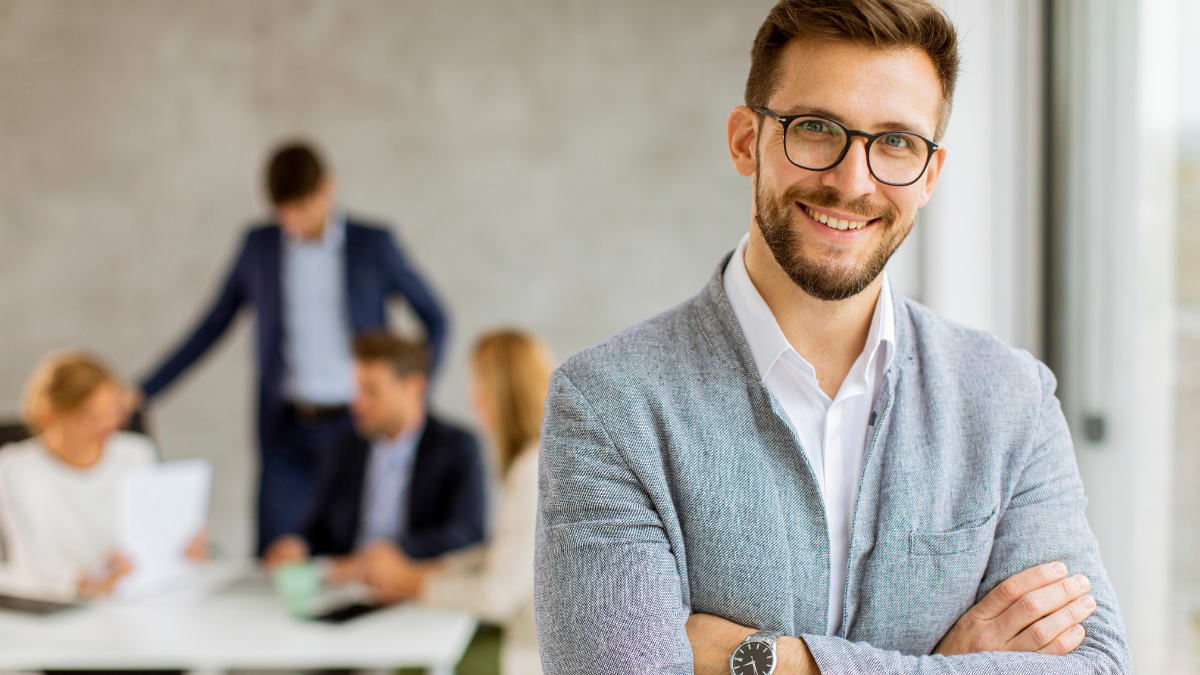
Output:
x,y
316,343
389,471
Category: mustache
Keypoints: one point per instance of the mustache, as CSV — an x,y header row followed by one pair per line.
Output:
x,y
828,198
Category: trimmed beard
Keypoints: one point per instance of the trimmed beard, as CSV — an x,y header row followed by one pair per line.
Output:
x,y
776,217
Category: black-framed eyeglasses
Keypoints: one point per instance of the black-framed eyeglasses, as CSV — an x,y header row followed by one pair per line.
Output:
x,y
818,143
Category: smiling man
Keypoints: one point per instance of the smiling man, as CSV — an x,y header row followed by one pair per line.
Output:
x,y
800,470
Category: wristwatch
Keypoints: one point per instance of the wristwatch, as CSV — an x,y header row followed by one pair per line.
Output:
x,y
755,655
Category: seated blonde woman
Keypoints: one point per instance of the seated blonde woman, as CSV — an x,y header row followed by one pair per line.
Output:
x,y
58,489
510,375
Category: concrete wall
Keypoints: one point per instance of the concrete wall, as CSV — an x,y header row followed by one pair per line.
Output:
x,y
558,164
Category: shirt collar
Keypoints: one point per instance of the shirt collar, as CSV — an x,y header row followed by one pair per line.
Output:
x,y
764,336
399,448
333,235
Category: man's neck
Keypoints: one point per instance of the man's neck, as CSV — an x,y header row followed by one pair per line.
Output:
x,y
406,427
829,334
318,233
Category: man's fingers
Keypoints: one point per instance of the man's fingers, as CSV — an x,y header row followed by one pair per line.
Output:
x,y
1041,602
1065,643
1043,632
1016,587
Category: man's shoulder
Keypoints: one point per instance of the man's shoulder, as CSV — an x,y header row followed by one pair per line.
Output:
x,y
449,434
664,344
260,237
347,443
368,228
970,358
261,231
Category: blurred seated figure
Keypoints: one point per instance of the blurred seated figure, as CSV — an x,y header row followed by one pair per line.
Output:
x,y
510,374
58,488
406,484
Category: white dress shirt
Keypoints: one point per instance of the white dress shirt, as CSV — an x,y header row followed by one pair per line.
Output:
x,y
385,493
832,432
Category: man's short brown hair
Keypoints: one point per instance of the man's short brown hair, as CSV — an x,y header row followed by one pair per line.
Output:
x,y
294,172
404,356
878,23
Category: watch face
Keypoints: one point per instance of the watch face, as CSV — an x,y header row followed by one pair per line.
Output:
x,y
753,658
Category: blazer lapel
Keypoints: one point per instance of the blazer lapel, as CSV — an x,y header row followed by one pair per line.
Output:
x,y
422,477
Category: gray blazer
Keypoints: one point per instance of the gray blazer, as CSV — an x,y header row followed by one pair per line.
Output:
x,y
671,482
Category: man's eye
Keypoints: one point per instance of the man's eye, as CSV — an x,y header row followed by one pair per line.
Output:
x,y
815,126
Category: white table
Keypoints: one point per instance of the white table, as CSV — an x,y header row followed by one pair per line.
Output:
x,y
229,619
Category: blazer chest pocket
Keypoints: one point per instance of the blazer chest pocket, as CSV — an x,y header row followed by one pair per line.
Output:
x,y
971,537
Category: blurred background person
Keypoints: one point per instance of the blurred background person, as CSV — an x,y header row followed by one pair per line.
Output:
x,y
404,485
58,489
510,374
316,278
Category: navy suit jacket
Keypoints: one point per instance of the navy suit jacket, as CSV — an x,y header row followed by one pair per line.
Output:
x,y
376,269
446,502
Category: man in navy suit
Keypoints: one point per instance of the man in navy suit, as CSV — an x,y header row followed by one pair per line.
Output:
x,y
405,487
315,280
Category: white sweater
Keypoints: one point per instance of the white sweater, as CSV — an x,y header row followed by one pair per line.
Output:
x,y
58,521
501,589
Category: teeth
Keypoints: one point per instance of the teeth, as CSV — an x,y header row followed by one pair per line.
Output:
x,y
835,223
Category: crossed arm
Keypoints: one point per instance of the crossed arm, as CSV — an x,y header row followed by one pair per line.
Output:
x,y
610,596
1040,610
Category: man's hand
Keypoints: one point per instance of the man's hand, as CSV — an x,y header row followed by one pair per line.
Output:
x,y
284,550
1037,610
93,584
714,639
390,573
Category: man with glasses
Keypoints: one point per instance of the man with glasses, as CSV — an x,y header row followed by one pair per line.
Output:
x,y
800,470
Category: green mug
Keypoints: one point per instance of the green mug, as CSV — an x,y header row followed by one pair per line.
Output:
x,y
298,584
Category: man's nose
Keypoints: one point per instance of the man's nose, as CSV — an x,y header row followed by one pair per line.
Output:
x,y
851,176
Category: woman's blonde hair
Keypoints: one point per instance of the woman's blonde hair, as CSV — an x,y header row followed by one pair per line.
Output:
x,y
61,383
514,370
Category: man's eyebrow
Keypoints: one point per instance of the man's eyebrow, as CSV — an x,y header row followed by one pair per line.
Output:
x,y
892,125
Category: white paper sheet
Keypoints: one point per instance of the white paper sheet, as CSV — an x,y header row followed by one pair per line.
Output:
x,y
160,509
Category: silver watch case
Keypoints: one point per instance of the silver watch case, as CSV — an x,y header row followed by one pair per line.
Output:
x,y
766,637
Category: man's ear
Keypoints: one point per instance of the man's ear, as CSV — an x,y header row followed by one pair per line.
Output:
x,y
741,130
933,172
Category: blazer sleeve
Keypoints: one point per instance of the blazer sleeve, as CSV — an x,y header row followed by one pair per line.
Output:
x,y
207,331
403,279
608,596
464,521
1044,521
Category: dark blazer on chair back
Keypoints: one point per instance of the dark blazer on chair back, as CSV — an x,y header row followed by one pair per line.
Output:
x,y
446,501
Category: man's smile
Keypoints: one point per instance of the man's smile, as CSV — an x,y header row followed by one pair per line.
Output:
x,y
850,224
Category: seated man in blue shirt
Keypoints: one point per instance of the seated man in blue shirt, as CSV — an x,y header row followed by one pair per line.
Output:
x,y
405,487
